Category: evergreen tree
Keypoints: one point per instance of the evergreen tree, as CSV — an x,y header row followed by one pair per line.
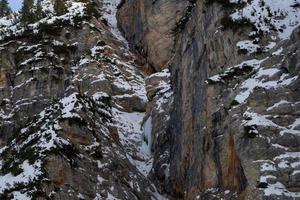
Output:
x,y
27,14
4,8
39,10
60,7
89,7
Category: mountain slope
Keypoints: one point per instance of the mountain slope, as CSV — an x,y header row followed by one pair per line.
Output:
x,y
140,99
73,102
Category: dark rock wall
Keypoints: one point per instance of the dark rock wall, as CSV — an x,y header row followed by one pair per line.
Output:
x,y
209,152
196,159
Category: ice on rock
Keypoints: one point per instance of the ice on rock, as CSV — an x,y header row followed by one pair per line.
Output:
x,y
148,135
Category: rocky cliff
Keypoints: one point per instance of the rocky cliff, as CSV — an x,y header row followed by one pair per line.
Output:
x,y
73,100
234,127
140,99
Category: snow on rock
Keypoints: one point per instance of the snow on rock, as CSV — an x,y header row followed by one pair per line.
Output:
x,y
111,197
275,19
40,138
278,52
261,80
254,120
68,104
164,91
130,131
276,105
47,7
129,124
296,124
75,9
5,21
258,120
13,27
280,15
244,67
20,196
250,84
273,187
28,174
278,189
110,15
268,167
248,45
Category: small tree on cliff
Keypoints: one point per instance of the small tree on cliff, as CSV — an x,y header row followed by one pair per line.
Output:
x,y
60,7
89,7
4,8
27,16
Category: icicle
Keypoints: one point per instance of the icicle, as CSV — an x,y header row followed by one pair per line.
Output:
x,y
147,136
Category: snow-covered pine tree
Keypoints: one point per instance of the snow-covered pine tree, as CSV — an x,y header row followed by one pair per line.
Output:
x,y
4,8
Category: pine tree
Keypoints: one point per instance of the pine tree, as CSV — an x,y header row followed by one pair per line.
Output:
x,y
39,10
60,7
4,8
27,13
89,7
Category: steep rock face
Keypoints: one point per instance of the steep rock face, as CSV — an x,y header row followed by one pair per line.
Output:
x,y
200,159
233,131
72,104
191,63
212,130
148,26
160,104
218,120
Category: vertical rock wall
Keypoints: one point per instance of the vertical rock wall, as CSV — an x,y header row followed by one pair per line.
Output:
x,y
212,152
148,27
